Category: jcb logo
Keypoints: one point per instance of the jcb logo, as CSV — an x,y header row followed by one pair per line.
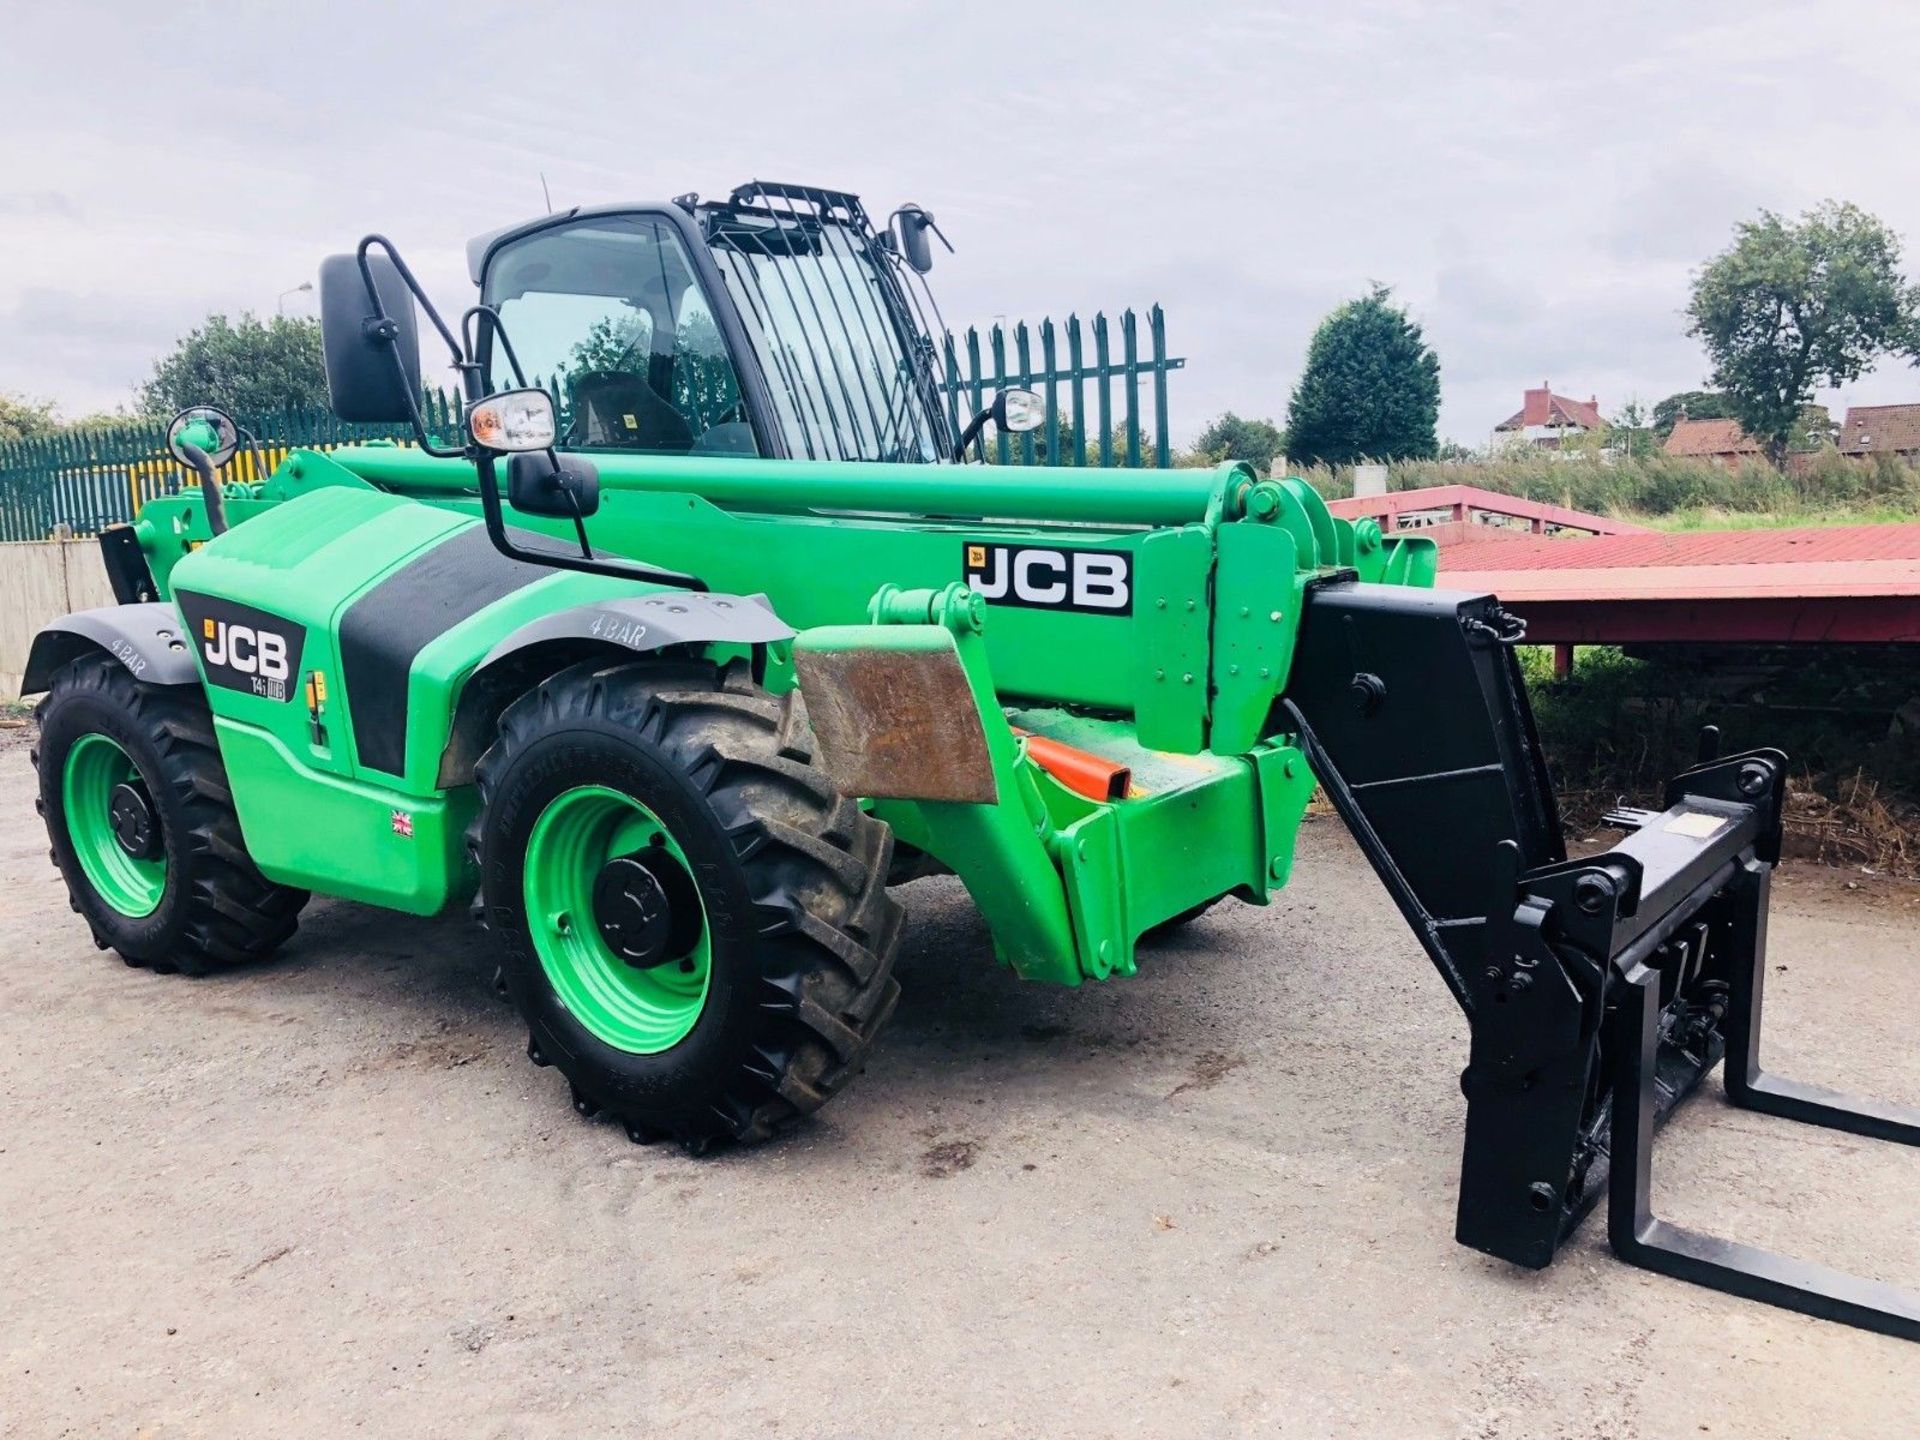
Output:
x,y
250,651
242,648
1097,582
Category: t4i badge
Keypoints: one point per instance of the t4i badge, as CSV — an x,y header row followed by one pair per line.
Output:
x,y
1093,582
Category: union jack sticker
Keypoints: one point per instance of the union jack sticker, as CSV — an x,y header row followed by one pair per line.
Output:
x,y
403,824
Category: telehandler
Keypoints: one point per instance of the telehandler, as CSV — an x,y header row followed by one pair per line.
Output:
x,y
806,653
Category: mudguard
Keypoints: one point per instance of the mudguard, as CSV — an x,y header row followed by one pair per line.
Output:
x,y
636,623
145,638
651,622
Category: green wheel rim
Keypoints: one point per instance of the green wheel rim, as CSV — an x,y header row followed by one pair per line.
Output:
x,y
95,765
640,1011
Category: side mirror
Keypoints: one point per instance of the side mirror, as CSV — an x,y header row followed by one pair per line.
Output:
x,y
361,340
208,429
1018,411
911,224
1014,411
540,482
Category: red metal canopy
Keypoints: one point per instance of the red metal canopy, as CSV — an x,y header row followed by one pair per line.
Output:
x,y
1854,584
1624,584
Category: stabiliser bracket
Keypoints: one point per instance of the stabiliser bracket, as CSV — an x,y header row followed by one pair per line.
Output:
x,y
1599,991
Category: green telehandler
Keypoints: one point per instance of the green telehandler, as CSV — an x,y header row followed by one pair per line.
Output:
x,y
758,644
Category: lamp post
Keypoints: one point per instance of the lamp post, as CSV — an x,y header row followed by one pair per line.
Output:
x,y
303,288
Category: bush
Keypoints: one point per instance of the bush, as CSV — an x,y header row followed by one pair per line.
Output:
x,y
1620,726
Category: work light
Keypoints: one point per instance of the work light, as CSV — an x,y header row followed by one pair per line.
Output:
x,y
513,420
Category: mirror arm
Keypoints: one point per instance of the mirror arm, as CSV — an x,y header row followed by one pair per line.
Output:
x,y
384,326
260,466
920,214
419,292
489,317
970,434
496,522
579,520
473,387
211,494
996,412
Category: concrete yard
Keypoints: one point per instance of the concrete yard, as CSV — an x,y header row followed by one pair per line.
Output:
x,y
329,1195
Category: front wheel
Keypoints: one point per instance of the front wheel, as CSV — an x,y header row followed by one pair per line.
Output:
x,y
143,827
696,923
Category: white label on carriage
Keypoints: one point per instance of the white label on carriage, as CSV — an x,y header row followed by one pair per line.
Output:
x,y
1696,825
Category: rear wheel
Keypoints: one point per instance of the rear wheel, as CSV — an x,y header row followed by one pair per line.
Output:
x,y
696,923
143,827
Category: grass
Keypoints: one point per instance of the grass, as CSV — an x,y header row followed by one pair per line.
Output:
x,y
1707,518
1823,489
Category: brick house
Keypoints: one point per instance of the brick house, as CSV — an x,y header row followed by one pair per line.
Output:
x,y
1721,442
1546,421
1881,430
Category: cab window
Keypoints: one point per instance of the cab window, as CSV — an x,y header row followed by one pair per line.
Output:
x,y
607,314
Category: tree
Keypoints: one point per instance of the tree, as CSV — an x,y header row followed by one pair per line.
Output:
x,y
1258,442
1693,405
1371,388
612,343
1629,429
1792,304
1814,428
24,419
251,368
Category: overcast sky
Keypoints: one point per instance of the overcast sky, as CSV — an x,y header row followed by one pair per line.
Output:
x,y
1535,181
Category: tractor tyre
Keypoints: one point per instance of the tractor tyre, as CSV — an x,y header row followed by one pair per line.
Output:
x,y
696,924
143,827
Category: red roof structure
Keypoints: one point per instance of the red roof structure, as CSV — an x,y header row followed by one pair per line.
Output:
x,y
1711,439
1881,430
1543,407
1581,579
1449,514
1835,584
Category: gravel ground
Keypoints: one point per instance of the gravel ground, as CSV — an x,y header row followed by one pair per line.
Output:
x,y
329,1194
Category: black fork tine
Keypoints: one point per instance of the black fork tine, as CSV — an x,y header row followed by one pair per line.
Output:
x,y
1640,1238
1750,1087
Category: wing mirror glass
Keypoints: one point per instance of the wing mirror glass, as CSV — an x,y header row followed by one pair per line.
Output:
x,y
914,244
910,225
362,340
1019,411
207,428
540,482
1012,411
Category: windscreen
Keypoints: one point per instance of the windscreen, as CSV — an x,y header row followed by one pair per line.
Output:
x,y
847,383
607,314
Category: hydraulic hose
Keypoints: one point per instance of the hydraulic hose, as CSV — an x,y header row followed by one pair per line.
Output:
x,y
210,492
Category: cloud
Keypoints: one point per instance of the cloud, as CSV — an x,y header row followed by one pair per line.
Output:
x,y
39,204
1535,186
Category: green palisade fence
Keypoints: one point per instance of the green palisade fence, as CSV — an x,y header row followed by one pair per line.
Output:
x,y
87,479
1066,363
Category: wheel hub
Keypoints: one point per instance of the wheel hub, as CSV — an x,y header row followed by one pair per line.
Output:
x,y
646,908
130,814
